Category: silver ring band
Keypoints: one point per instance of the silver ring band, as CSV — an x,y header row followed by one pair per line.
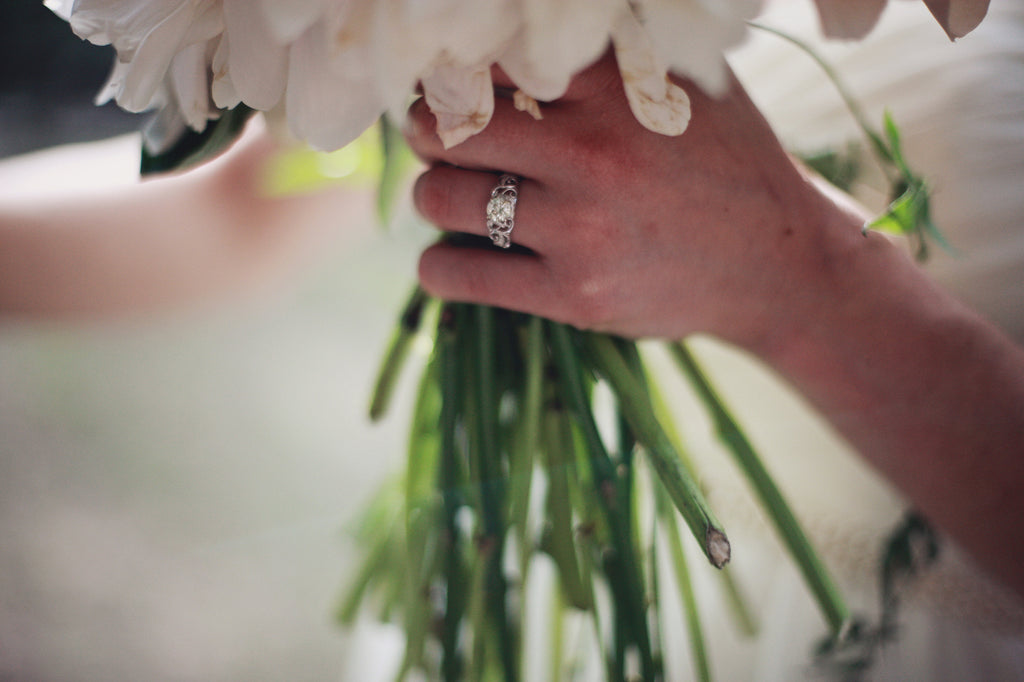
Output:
x,y
501,210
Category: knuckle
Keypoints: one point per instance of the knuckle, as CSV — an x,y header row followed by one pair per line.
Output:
x,y
587,221
596,155
602,77
591,301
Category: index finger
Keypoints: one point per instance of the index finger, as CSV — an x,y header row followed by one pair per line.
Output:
x,y
599,78
509,143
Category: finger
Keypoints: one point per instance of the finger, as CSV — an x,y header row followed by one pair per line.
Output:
x,y
489,277
456,200
508,144
599,80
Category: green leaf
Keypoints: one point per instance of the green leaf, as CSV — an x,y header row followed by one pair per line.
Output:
x,y
909,213
193,148
892,134
839,168
396,160
901,218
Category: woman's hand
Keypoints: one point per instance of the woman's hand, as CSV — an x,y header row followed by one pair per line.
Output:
x,y
630,231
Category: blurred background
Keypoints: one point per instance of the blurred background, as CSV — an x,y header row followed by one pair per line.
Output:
x,y
175,491
48,82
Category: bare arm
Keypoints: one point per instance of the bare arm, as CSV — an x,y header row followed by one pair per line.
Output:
x,y
925,389
718,231
167,242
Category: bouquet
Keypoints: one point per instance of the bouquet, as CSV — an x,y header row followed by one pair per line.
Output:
x,y
564,449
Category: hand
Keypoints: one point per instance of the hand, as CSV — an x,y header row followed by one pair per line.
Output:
x,y
630,231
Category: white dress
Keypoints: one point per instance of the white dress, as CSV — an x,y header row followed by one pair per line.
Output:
x,y
961,110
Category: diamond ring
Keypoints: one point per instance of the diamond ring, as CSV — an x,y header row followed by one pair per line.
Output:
x,y
501,210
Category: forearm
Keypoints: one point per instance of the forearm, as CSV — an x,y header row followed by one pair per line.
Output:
x,y
928,392
103,256
166,243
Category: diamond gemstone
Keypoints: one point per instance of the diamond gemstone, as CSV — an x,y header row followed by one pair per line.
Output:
x,y
499,209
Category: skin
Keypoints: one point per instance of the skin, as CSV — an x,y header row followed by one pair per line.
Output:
x,y
718,231
168,243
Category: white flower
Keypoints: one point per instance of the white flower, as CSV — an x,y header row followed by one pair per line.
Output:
x,y
690,36
656,102
332,67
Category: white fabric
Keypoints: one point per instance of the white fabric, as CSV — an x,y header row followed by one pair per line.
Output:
x,y
961,109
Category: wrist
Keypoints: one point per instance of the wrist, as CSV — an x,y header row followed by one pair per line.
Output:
x,y
824,262
868,329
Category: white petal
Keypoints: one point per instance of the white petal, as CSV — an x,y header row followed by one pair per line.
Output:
x,y
402,51
122,23
462,100
222,88
151,60
656,102
411,36
62,8
476,31
558,39
289,19
188,77
692,36
147,36
256,63
543,84
163,130
114,84
330,100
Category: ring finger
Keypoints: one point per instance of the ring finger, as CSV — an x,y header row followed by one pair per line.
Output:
x,y
456,199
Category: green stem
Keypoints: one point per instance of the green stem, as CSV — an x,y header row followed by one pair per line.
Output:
x,y
558,539
654,580
738,606
452,664
682,573
815,573
558,607
881,150
621,564
491,486
423,522
526,439
683,491
397,352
